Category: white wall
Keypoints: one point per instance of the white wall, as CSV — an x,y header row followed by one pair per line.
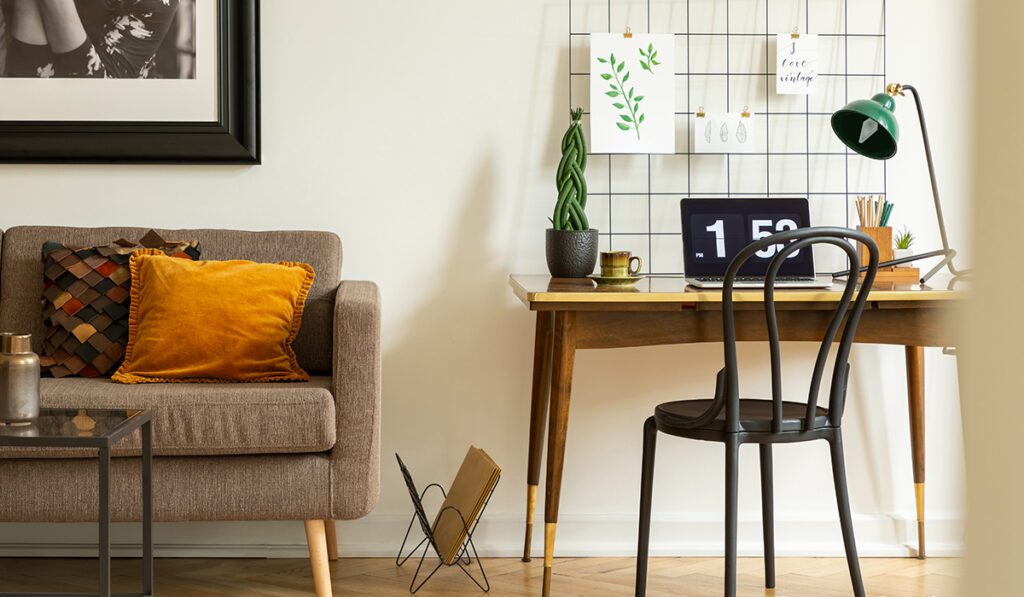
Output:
x,y
425,134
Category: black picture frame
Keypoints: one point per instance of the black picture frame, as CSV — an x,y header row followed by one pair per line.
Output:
x,y
233,139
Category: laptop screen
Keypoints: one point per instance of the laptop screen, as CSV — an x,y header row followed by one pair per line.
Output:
x,y
716,230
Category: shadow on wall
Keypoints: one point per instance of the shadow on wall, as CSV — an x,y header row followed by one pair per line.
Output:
x,y
877,448
462,365
451,373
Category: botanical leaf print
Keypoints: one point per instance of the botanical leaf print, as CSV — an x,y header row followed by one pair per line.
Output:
x,y
627,101
649,58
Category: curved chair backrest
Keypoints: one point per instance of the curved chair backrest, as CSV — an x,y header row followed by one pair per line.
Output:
x,y
849,308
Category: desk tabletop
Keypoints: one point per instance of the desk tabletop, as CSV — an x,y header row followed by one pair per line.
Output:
x,y
533,289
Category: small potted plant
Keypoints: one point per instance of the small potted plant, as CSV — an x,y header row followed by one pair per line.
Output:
x,y
902,245
571,244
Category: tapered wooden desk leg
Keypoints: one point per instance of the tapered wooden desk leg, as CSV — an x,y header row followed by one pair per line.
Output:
x,y
564,357
538,417
915,395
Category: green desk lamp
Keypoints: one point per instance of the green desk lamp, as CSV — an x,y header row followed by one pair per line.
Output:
x,y
869,127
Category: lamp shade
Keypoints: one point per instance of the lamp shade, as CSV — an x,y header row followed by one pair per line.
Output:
x,y
869,126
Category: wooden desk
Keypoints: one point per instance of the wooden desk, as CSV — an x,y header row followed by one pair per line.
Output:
x,y
574,314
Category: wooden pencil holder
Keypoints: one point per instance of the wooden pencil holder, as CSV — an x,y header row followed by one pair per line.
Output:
x,y
882,235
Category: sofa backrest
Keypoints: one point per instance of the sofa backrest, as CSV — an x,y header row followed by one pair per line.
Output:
x,y
21,273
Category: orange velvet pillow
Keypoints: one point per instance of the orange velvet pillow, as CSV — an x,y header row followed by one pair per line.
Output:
x,y
213,321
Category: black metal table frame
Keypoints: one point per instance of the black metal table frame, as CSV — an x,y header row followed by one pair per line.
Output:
x,y
143,421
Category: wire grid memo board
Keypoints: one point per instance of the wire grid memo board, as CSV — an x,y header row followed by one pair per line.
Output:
x,y
725,57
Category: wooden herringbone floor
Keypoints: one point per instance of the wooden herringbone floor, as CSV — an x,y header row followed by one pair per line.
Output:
x,y
590,577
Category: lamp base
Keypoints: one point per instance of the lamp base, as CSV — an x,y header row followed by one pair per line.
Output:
x,y
947,262
897,275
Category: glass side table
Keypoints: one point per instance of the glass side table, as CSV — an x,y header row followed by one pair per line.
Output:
x,y
97,428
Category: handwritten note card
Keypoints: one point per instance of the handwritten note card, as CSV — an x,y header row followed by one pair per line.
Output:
x,y
797,64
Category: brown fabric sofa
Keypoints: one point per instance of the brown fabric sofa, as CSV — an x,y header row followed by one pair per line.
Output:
x,y
300,451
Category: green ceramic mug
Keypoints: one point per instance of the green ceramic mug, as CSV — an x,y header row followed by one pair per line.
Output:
x,y
620,264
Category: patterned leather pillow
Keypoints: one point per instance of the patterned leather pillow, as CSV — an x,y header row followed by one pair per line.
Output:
x,y
86,298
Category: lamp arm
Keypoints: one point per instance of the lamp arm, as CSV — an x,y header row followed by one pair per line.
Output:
x,y
931,163
934,180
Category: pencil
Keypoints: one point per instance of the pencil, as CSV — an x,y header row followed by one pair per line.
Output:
x,y
886,213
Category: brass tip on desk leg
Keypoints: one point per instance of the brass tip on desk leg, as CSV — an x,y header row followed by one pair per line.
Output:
x,y
919,494
549,555
531,501
531,507
549,543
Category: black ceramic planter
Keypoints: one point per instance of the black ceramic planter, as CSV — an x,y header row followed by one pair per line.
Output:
x,y
571,253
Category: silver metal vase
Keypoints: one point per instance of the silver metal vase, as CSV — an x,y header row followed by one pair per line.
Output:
x,y
19,379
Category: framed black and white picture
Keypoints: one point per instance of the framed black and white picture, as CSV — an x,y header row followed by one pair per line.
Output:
x,y
129,81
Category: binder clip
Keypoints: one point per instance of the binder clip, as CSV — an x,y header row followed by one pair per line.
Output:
x,y
746,112
628,34
700,112
796,33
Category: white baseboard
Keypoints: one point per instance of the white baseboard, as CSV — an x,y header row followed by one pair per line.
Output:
x,y
498,536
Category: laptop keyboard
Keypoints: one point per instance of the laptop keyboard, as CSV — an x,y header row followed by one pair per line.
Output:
x,y
757,279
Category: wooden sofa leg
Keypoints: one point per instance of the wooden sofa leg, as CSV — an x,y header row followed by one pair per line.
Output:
x,y
332,540
316,539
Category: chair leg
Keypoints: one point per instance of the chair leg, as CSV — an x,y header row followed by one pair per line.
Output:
x,y
646,491
768,515
332,540
316,540
845,518
732,453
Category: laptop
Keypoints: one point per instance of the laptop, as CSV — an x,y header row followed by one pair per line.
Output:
x,y
716,230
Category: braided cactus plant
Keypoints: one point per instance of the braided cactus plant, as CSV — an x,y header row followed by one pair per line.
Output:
x,y
570,209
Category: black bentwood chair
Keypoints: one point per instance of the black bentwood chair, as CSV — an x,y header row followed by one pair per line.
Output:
x,y
734,421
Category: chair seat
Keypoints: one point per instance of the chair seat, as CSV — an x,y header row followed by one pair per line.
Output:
x,y
200,419
755,416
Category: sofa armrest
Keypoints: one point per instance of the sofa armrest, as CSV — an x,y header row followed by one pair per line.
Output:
x,y
355,459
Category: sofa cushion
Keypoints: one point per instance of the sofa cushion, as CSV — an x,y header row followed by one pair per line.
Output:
x,y
204,419
21,273
238,325
86,293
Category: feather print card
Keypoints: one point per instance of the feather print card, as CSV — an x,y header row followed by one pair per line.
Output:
x,y
724,132
632,93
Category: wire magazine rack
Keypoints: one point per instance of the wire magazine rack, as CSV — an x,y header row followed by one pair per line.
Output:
x,y
467,554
